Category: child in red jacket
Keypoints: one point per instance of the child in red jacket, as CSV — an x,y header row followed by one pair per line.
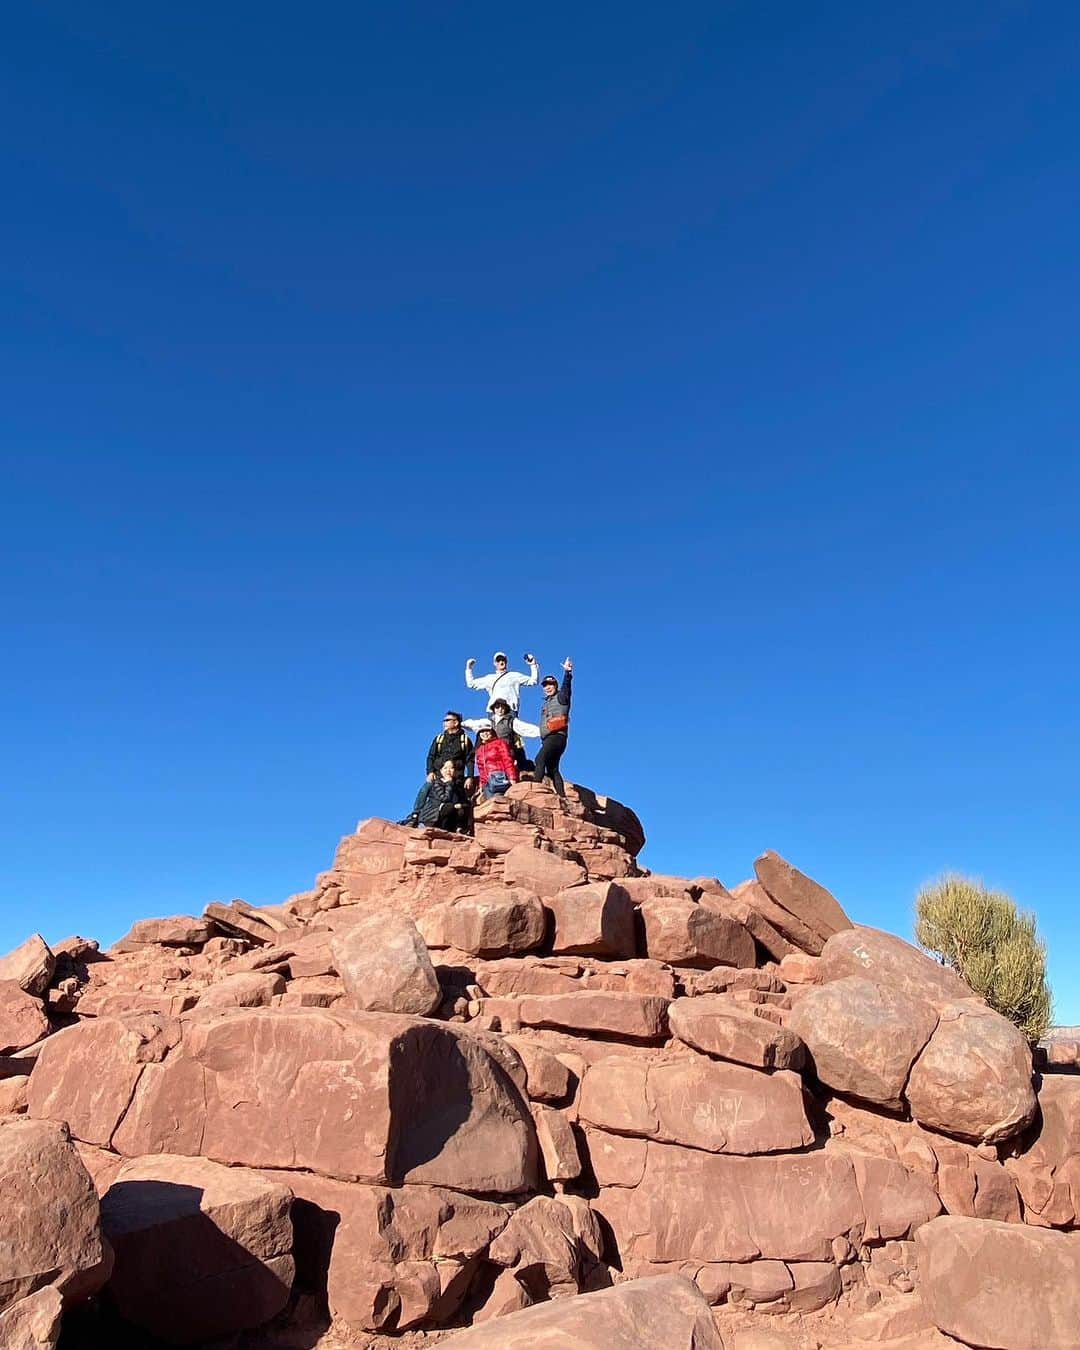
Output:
x,y
495,765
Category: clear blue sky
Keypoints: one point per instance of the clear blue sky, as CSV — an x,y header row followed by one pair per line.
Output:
x,y
731,348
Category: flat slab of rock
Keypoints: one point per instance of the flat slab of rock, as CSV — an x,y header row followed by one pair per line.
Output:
x,y
22,1018
51,1229
1000,1285
245,989
178,930
635,1016
700,1103
888,960
201,1250
384,965
594,920
684,932
800,895
712,1024
794,932
659,1311
863,1037
30,965
974,1079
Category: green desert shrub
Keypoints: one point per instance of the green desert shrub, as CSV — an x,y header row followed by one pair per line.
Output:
x,y
991,945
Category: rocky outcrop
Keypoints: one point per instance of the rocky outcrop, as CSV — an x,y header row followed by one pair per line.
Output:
x,y
516,1084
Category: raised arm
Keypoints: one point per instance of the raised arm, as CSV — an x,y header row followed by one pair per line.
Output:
x,y
567,682
470,683
534,670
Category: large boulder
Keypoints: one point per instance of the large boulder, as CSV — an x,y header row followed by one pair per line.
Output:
x,y
360,1096
385,967
794,934
594,920
974,1078
863,1037
1002,1286
540,871
244,989
30,965
178,930
714,1025
51,1230
1045,1161
22,1018
496,922
684,932
786,1207
800,896
697,1102
886,959
663,1311
201,1250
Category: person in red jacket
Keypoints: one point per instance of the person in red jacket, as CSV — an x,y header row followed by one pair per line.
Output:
x,y
495,765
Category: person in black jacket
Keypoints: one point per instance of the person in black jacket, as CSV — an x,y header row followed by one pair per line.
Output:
x,y
451,745
554,726
443,803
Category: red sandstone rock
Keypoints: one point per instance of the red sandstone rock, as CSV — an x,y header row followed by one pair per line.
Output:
x,y
364,1096
712,1024
802,897
13,1098
558,1144
787,1206
51,1234
86,1074
399,1257
495,923
201,1250
1046,1158
697,1102
594,920
686,933
385,967
245,989
664,1311
799,968
180,930
552,1245
33,1323
794,932
1000,1285
547,1078
888,960
973,1080
634,1016
537,870
863,1037
22,1018
30,965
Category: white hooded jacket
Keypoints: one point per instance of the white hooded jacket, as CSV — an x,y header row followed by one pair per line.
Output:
x,y
507,685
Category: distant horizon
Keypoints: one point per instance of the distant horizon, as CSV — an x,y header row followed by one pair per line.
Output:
x,y
727,350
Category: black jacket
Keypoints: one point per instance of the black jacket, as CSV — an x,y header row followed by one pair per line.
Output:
x,y
439,800
455,745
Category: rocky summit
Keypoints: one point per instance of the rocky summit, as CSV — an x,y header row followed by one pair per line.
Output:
x,y
515,1090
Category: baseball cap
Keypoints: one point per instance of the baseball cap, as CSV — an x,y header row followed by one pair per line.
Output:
x,y
499,655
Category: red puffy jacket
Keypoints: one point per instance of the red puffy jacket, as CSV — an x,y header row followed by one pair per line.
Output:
x,y
492,755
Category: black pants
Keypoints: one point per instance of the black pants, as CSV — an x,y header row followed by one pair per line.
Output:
x,y
547,760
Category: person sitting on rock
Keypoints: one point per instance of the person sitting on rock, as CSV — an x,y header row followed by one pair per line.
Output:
x,y
443,803
502,682
554,726
495,765
453,744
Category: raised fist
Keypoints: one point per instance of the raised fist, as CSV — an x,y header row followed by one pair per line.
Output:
x,y
530,659
471,661
568,664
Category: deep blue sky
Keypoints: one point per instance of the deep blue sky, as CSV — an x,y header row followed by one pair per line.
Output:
x,y
731,348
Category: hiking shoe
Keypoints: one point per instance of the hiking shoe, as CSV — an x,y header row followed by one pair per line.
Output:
x,y
412,819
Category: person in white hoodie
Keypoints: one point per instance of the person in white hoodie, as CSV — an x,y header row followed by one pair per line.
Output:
x,y
506,684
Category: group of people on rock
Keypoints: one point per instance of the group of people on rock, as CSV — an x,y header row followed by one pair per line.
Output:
x,y
459,770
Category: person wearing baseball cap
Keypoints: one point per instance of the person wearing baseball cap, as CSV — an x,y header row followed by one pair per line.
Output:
x,y
554,725
503,682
